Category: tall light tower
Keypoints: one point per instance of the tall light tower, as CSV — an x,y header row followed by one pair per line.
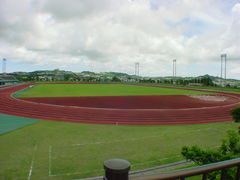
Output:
x,y
174,68
4,66
137,68
224,66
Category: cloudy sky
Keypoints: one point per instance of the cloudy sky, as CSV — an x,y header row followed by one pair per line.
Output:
x,y
111,35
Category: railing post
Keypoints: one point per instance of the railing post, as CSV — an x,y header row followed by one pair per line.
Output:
x,y
223,174
238,173
116,169
204,176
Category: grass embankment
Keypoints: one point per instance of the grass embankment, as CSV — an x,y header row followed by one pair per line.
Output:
x,y
71,90
61,150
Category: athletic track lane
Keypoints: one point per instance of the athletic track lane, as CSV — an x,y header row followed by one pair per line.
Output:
x,y
13,106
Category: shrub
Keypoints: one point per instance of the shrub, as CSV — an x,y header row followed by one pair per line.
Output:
x,y
236,114
229,149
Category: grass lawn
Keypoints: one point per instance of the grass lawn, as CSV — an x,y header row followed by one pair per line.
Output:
x,y
61,150
211,88
67,90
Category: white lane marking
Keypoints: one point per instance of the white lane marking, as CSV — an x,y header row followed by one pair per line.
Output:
x,y
32,163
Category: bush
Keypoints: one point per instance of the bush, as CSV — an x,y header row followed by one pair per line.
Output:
x,y
236,114
229,149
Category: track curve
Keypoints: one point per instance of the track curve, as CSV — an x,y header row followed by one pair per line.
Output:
x,y
139,102
13,106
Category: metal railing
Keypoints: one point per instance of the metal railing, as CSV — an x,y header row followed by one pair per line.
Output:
x,y
203,170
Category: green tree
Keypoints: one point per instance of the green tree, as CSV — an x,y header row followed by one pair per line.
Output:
x,y
207,81
116,79
236,114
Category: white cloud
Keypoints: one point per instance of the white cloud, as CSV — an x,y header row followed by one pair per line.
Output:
x,y
112,35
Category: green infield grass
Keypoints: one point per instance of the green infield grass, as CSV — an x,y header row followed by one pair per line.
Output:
x,y
210,88
67,90
62,150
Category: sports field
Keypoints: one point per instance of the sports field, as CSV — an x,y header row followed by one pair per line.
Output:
x,y
62,150
135,109
71,90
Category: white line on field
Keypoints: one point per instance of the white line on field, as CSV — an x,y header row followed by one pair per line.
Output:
x,y
136,164
131,139
32,163
49,160
68,174
133,165
110,142
92,178
160,159
102,142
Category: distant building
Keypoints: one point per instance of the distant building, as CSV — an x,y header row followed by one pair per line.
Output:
x,y
7,79
195,84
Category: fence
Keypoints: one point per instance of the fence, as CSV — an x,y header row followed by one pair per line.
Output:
x,y
117,169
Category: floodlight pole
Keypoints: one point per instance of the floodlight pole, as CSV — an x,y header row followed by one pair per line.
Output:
x,y
221,64
137,68
174,69
4,66
224,58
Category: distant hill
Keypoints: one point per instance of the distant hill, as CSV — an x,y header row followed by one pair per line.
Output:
x,y
88,76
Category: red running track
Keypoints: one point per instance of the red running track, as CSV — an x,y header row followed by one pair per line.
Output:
x,y
182,115
135,102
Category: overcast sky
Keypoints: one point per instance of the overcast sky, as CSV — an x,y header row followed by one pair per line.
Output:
x,y
111,35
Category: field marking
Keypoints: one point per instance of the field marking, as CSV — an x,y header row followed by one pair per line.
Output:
x,y
49,160
135,164
133,139
32,162
91,178
69,174
116,141
160,159
110,142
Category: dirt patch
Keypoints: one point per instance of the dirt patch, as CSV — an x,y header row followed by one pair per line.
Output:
x,y
214,98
